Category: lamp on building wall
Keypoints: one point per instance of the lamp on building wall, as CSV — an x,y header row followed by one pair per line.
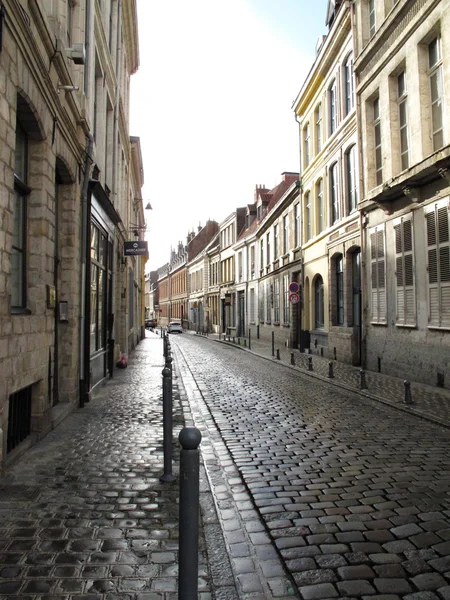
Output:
x,y
149,206
412,193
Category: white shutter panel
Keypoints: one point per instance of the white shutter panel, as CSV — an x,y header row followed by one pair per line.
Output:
x,y
378,276
404,271
437,221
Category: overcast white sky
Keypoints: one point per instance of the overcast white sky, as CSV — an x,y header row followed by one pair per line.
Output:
x,y
211,103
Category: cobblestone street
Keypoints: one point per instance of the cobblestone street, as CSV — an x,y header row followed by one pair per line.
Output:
x,y
353,493
308,489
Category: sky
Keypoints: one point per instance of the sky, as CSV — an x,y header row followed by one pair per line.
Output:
x,y
212,106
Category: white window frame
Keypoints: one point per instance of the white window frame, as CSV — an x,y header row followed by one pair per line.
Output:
x,y
405,292
437,222
402,101
435,71
378,295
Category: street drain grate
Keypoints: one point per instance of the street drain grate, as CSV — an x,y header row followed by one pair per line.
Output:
x,y
18,493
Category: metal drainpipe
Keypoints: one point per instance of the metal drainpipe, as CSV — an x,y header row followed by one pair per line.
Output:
x,y
302,275
362,223
84,238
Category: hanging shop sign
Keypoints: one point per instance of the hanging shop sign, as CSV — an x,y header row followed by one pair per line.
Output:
x,y
136,248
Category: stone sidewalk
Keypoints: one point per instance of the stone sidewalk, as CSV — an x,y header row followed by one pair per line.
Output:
x,y
428,402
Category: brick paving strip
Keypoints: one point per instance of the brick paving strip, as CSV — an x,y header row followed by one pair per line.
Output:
x,y
83,516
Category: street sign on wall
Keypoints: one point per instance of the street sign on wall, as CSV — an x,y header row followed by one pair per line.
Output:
x,y
294,287
136,248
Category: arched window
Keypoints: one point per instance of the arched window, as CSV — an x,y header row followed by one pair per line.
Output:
x,y
332,107
308,217
319,309
339,290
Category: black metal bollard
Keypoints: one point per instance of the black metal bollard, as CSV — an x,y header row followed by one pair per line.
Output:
x,y
190,438
334,353
167,424
249,339
257,332
330,370
310,364
273,343
161,331
362,381
278,354
408,397
292,358
245,343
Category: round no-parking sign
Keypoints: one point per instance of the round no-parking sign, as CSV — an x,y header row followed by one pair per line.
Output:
x,y
294,287
294,298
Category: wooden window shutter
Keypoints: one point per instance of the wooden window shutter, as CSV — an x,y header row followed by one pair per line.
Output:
x,y
437,223
378,276
404,272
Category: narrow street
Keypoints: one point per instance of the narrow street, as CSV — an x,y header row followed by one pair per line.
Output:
x,y
353,494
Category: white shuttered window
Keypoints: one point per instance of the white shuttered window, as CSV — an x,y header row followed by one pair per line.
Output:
x,y
437,220
378,275
404,273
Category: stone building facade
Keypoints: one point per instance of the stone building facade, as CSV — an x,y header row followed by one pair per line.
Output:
x,y
63,206
403,91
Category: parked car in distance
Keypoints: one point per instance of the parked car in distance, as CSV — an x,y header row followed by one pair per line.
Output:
x,y
174,327
150,323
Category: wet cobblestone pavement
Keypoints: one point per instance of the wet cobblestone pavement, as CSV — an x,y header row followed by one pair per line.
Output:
x,y
83,515
354,495
310,489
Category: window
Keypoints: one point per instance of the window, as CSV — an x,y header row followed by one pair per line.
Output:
x,y
404,273
436,92
268,249
306,140
269,299
276,301
352,179
318,114
403,120
319,304
262,303
340,290
19,221
334,194
372,21
349,87
275,242
252,261
297,225
320,206
378,275
308,224
252,305
332,107
437,219
98,289
377,142
285,234
240,274
286,311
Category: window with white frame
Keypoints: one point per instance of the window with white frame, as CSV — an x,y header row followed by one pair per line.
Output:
x,y
334,194
285,234
262,303
339,263
276,300
378,275
320,206
352,179
348,85
372,17
318,119
308,216
332,107
297,224
240,273
438,251
306,145
275,241
377,142
252,305
286,307
436,92
403,119
267,248
252,261
269,302
404,272
319,303
261,254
